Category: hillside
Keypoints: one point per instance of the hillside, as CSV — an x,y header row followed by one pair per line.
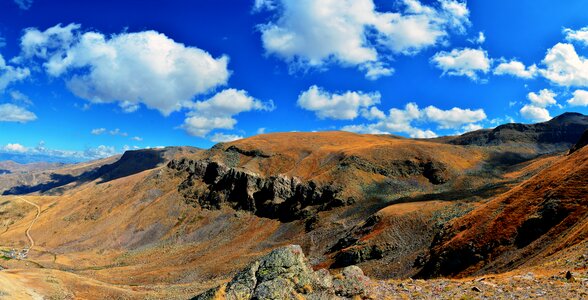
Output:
x,y
530,223
174,222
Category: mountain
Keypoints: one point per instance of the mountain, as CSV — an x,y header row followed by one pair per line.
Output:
x,y
557,134
175,222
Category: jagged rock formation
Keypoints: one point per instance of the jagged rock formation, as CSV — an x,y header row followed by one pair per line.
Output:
x,y
285,274
212,184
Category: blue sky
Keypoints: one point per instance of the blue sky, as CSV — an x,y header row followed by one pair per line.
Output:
x,y
86,79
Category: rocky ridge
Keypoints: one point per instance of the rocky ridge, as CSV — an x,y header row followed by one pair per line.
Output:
x,y
212,184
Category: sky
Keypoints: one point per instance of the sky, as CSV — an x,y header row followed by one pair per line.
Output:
x,y
82,80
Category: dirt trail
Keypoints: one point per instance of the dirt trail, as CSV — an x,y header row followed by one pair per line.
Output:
x,y
28,231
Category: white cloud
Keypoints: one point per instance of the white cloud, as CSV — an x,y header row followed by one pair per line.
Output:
x,y
401,121
18,97
24,4
374,71
88,154
545,98
99,152
118,132
516,68
261,130
580,98
218,111
224,138
98,131
373,113
535,113
14,113
536,110
313,33
129,68
15,148
10,74
453,118
565,67
481,38
344,106
137,138
463,62
580,35
471,127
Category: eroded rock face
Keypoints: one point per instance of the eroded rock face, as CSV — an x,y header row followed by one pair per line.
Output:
x,y
285,274
212,184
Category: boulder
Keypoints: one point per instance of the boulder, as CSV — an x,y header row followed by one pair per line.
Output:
x,y
285,274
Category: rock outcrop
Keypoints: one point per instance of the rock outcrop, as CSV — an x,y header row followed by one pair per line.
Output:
x,y
211,184
285,274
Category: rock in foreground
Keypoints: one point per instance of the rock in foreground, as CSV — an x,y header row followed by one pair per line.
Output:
x,y
285,274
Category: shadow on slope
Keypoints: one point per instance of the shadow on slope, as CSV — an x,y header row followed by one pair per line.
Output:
x,y
132,162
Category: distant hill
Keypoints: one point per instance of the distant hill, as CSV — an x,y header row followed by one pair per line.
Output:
x,y
24,158
557,134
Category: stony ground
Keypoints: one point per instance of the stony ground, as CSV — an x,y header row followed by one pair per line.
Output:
x,y
504,286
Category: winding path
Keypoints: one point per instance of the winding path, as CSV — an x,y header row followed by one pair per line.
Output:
x,y
28,231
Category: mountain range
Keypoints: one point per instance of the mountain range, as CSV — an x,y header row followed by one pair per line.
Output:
x,y
178,221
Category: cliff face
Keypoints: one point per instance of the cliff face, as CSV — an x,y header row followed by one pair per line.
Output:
x,y
212,184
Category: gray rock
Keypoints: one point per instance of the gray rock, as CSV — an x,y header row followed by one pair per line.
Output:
x,y
285,274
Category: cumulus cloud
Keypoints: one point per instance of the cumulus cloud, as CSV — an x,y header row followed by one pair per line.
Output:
x,y
14,113
10,74
15,148
565,67
453,118
401,121
535,113
129,68
545,98
345,106
218,112
580,98
463,62
516,68
137,138
580,35
313,33
536,110
224,138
